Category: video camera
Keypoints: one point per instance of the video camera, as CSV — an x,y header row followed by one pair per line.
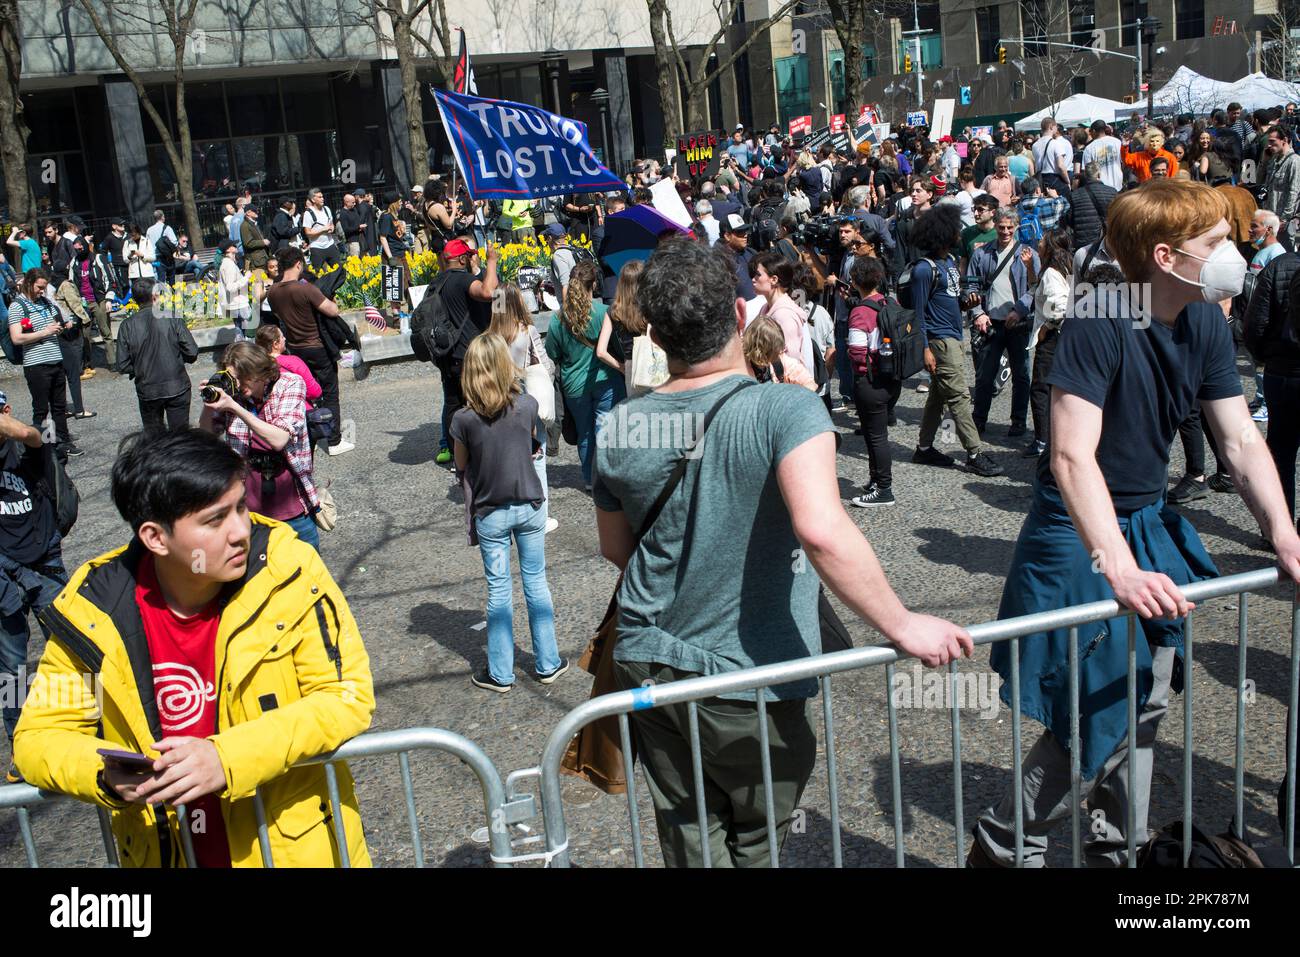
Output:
x,y
821,233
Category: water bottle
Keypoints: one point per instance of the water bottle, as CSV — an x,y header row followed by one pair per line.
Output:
x,y
886,348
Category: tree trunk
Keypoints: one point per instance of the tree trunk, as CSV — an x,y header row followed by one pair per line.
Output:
x,y
184,164
666,71
13,127
850,21
697,105
417,143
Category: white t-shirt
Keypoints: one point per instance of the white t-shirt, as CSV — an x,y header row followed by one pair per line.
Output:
x,y
1104,151
312,218
1002,298
1051,154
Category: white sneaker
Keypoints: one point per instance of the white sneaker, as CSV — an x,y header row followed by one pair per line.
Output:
x,y
551,525
341,448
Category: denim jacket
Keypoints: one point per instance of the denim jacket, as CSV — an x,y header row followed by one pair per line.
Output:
x,y
984,262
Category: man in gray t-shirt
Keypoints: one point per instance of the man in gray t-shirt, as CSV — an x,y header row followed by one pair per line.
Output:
x,y
727,577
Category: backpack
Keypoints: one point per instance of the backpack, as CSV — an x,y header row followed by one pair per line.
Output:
x,y
906,336
165,248
60,490
767,226
12,350
1030,231
1165,850
433,337
904,286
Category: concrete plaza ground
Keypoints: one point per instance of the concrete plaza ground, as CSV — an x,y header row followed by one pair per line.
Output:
x,y
418,594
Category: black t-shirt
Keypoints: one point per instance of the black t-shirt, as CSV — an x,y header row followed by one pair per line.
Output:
x,y
501,470
470,315
113,246
27,523
1146,381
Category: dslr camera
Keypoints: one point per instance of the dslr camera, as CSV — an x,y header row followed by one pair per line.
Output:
x,y
222,380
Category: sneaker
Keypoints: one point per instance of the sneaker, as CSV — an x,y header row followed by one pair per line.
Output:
x,y
1221,482
443,457
931,456
1261,414
551,525
1256,403
1188,490
893,420
550,676
982,465
877,498
1034,449
13,776
341,448
72,451
840,407
923,387
1017,430
88,374
484,680
869,487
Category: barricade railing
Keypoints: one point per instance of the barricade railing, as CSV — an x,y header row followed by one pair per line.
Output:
x,y
500,808
822,667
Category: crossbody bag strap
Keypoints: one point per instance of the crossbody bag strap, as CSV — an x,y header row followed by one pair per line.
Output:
x,y
679,470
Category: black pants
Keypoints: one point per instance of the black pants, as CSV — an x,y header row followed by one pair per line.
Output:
x,y
326,372
1191,431
1040,393
873,400
74,352
1283,397
176,410
452,397
48,384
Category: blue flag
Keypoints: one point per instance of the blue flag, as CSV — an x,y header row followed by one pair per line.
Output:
x,y
511,150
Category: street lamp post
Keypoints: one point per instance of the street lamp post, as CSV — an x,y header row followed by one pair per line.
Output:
x,y
1150,27
551,61
601,98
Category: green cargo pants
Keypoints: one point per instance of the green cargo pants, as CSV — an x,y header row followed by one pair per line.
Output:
x,y
733,777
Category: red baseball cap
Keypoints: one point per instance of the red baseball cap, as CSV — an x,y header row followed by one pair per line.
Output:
x,y
457,248
945,139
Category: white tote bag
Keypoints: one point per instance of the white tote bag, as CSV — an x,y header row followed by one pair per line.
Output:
x,y
648,368
538,384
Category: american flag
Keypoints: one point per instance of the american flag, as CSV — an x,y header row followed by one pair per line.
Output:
x,y
376,318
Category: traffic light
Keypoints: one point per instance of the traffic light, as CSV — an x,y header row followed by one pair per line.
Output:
x,y
907,63
1002,54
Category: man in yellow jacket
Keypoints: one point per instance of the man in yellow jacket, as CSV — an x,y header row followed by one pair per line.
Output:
x,y
217,644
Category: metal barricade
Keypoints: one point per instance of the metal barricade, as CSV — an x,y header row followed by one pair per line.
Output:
x,y
822,667
500,809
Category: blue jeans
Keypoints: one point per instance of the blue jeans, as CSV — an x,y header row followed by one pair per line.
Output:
x,y
528,526
1016,345
589,410
14,633
305,526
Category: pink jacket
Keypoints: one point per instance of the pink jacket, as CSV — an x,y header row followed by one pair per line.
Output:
x,y
785,312
299,368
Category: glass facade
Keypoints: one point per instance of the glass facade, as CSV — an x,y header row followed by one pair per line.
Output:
x,y
793,95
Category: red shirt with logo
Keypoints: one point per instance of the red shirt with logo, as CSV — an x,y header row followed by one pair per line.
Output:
x,y
183,651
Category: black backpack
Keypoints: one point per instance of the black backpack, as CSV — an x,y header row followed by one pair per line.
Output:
x,y
433,335
904,287
164,249
906,336
767,226
60,490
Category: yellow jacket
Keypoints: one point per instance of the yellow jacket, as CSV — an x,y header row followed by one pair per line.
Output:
x,y
293,682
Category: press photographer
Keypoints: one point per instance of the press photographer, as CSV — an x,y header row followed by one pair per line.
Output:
x,y
261,412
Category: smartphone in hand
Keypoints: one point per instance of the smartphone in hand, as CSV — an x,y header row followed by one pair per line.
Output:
x,y
128,761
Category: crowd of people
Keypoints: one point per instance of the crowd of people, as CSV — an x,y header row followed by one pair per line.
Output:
x,y
1109,279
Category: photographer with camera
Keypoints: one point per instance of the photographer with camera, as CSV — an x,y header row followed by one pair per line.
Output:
x,y
260,410
998,296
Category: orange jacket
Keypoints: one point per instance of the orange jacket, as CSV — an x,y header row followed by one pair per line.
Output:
x,y
1140,162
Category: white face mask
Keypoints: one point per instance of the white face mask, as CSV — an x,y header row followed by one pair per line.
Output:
x,y
1222,275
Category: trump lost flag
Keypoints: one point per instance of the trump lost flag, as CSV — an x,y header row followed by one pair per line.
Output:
x,y
510,150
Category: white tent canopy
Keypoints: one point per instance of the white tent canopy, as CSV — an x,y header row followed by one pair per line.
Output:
x,y
1080,108
1189,92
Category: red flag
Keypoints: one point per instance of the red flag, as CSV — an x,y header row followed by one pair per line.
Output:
x,y
463,77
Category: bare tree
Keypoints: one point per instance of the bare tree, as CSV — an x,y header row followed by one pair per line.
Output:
x,y
1281,50
698,77
13,126
140,17
1049,71
411,27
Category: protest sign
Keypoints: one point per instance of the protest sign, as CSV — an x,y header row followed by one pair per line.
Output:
x,y
698,154
801,124
508,150
918,118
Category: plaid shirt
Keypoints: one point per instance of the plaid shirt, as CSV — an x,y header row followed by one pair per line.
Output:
x,y
1050,210
285,406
